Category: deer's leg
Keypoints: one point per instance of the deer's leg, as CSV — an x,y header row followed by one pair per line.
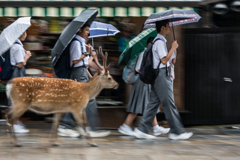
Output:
x,y
8,112
80,120
55,125
14,113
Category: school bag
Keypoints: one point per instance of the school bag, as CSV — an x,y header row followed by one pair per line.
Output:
x,y
147,73
129,73
6,70
62,68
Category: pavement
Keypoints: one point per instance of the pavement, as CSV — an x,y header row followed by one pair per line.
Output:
x,y
207,143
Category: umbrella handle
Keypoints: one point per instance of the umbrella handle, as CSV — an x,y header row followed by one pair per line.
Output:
x,y
173,32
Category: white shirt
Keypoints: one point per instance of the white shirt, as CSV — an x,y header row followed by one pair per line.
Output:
x,y
159,51
76,52
17,53
139,61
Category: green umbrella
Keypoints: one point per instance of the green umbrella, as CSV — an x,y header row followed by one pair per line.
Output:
x,y
136,46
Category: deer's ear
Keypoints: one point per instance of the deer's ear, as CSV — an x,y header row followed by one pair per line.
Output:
x,y
98,71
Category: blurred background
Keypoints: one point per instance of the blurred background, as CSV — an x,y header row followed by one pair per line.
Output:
x,y
207,84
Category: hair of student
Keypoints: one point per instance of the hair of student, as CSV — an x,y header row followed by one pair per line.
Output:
x,y
159,24
85,25
150,39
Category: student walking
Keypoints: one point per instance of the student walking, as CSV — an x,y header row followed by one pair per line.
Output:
x,y
138,101
162,90
18,59
79,58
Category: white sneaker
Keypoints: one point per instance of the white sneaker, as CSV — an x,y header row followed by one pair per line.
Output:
x,y
19,129
93,134
182,136
139,134
68,133
160,130
124,129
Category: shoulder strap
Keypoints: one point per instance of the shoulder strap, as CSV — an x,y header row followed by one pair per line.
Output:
x,y
75,39
9,52
156,40
153,43
17,43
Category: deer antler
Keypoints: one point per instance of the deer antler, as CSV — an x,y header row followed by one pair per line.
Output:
x,y
104,57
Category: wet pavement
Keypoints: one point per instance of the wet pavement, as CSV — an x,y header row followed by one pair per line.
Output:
x,y
208,143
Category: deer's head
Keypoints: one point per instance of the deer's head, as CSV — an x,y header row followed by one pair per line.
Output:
x,y
105,78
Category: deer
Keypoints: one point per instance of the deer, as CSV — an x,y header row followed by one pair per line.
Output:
x,y
55,96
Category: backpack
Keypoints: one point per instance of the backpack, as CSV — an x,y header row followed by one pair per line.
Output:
x,y
6,70
129,73
147,73
62,68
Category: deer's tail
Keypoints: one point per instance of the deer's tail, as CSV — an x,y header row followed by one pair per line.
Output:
x,y
8,88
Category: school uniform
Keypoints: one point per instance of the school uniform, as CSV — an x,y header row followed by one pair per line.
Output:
x,y
17,55
140,93
161,93
79,73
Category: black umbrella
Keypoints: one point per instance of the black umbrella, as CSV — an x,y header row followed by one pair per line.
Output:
x,y
175,16
86,16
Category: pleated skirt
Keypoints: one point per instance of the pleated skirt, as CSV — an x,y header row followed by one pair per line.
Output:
x,y
139,97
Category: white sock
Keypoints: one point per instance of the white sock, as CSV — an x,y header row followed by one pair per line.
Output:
x,y
124,125
156,127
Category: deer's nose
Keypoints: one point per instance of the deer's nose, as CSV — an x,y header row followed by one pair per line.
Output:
x,y
116,86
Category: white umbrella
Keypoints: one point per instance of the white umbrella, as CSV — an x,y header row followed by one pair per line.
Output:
x,y
10,34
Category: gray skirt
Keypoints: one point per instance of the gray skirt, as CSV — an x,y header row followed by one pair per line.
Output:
x,y
139,97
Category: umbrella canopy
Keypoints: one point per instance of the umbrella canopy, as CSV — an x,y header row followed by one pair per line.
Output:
x,y
99,29
86,16
176,17
136,46
10,34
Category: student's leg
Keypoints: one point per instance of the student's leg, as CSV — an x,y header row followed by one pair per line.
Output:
x,y
165,94
130,118
92,114
150,112
155,123
68,121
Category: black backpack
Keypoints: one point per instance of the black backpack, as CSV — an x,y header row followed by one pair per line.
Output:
x,y
147,73
5,64
62,68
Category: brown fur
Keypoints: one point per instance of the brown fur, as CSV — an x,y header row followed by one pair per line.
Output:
x,y
52,95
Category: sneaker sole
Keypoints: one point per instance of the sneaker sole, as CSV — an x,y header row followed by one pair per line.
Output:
x,y
140,137
99,135
125,133
180,138
66,135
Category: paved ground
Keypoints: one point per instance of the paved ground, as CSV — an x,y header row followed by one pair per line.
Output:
x,y
208,143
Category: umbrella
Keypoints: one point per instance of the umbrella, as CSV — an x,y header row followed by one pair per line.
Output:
x,y
136,46
176,17
10,34
86,16
99,29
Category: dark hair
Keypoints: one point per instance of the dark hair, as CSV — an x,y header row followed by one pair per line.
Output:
x,y
159,24
85,25
150,39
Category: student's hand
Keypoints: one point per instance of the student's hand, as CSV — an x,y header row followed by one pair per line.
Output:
x,y
88,48
28,54
174,60
175,45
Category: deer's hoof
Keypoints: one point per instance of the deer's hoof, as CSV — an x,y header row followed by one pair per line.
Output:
x,y
18,145
55,145
93,145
